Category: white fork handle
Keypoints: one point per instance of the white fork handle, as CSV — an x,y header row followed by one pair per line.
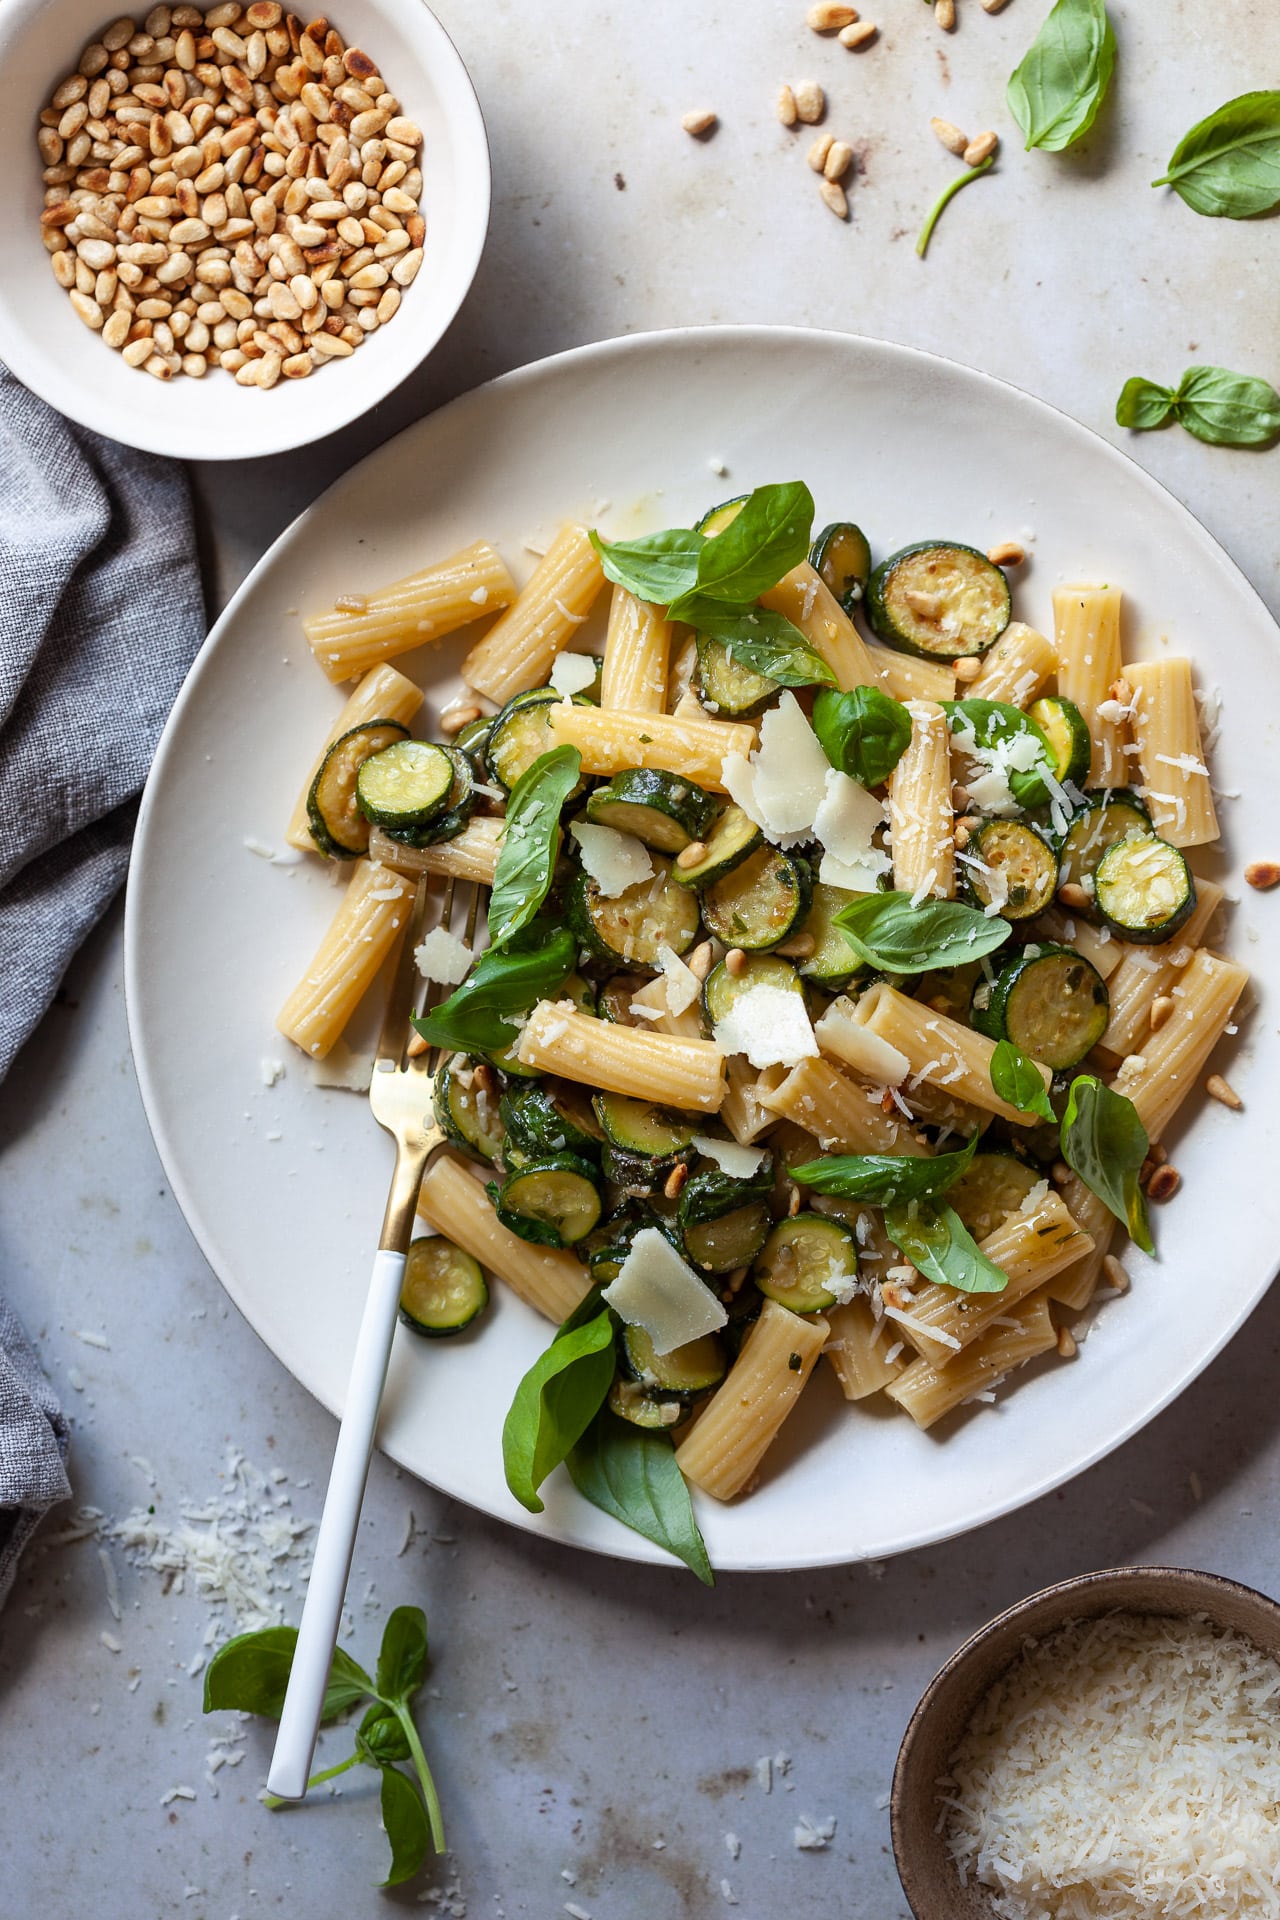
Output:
x,y
335,1542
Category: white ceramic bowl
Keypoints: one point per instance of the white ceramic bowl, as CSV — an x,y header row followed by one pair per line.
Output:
x,y
55,354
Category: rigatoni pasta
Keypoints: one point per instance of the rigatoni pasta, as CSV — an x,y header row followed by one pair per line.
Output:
x,y
1166,731
636,649
613,741
517,651
742,1419
455,1203
374,910
424,607
1166,1072
921,818
1087,644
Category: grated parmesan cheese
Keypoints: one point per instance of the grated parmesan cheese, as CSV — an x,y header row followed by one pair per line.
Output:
x,y
442,957
573,672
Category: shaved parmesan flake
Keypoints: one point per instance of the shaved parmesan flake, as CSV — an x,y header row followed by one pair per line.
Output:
x,y
845,821
444,958
615,861
657,1291
740,1163
770,1025
343,1068
838,1033
573,672
673,992
784,782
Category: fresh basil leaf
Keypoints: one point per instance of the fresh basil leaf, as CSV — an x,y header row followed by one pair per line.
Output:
x,y
993,723
531,965
402,1658
530,841
631,1473
884,1179
1105,1142
892,935
658,567
1228,409
380,1738
767,536
1017,1079
760,638
863,733
1143,405
1228,166
936,1240
405,1820
555,1403
1056,91
251,1673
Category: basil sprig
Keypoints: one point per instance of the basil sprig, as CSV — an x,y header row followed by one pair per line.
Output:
x,y
884,1179
1056,91
863,733
767,536
936,1241
631,1473
1228,166
250,1675
530,841
889,933
558,1398
1105,1142
1226,409
993,722
1017,1079
531,966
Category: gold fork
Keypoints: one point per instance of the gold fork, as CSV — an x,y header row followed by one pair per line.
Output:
x,y
401,1095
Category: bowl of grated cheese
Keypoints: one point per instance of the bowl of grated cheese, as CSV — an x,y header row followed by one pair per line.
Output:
x,y
1108,1747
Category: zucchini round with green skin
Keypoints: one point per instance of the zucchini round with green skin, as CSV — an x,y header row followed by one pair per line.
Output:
x,y
459,806
521,733
635,1127
993,1185
1143,888
842,558
1067,731
468,1115
334,820
833,962
729,687
553,1201
608,1244
732,839
472,740
722,516
760,902
721,988
405,785
640,1408
692,1369
628,930
1104,819
541,1118
1049,1001
664,811
443,1289
723,1223
808,1263
1024,860
939,599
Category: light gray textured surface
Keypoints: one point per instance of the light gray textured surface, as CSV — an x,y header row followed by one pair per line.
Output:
x,y
588,1709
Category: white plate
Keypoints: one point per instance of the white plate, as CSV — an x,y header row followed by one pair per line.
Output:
x,y
649,431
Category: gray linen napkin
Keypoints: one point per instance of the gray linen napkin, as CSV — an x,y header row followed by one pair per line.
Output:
x,y
100,617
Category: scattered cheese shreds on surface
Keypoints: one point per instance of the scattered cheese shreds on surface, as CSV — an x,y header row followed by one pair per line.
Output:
x,y
739,1163
770,1025
92,1339
845,822
573,672
444,958
657,1291
271,1070
615,861
813,1836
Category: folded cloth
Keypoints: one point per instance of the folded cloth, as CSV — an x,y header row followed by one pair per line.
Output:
x,y
33,1446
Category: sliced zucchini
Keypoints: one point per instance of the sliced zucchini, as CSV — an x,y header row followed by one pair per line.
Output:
x,y
724,1223
731,840
634,1403
760,902
684,1372
1019,852
1049,1001
542,1116
722,516
1104,819
939,599
721,988
553,1201
465,1112
833,962
628,930
993,1185
520,734
615,998
472,740
842,557
405,785
729,686
807,1263
459,807
1067,731
443,1289
636,1128
334,819
1143,888
608,1244
661,809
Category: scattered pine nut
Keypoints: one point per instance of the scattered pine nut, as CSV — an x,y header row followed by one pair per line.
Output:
x,y
1061,1173
484,1078
1067,1348
1263,875
960,798
960,834
1073,898
1219,1089
835,197
944,13
828,16
993,6
981,148
674,1184
786,107
699,961
967,669
811,102
1117,1274
817,155
1121,692
1161,1007
1163,1184
417,1046
927,605
1006,554
457,718
793,1203
800,948
704,120
859,36
689,856
839,160
735,960
950,135
1157,1154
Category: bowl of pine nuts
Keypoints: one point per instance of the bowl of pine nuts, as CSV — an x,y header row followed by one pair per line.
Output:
x,y
236,228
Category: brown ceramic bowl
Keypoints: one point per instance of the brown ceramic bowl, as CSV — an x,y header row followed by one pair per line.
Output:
x,y
925,1867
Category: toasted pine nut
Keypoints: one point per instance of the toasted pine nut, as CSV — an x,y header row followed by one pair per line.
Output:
x,y
674,1183
735,960
811,101
699,961
981,148
1260,874
967,668
839,160
1157,1154
1161,1007
1073,898
457,718
944,13
950,135
859,36
1067,1348
1117,1274
960,798
1219,1089
993,6
702,120
799,948
417,1046
484,1078
817,154
1006,554
793,1202
689,856
960,833
835,197
786,107
828,16
1164,1183
927,605
1061,1173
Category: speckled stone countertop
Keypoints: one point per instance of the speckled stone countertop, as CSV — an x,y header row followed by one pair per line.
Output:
x,y
598,1726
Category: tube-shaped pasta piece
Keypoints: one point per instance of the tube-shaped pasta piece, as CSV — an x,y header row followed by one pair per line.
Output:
x,y
858,1348
636,647
744,1111
383,694
804,597
610,740
742,1418
1086,629
550,1279
1145,973
424,607
470,855
1166,727
927,1394
1098,944
940,1049
921,817
1158,1079
1029,1247
688,1074
843,1115
906,677
1016,667
361,934
519,648
1074,1286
